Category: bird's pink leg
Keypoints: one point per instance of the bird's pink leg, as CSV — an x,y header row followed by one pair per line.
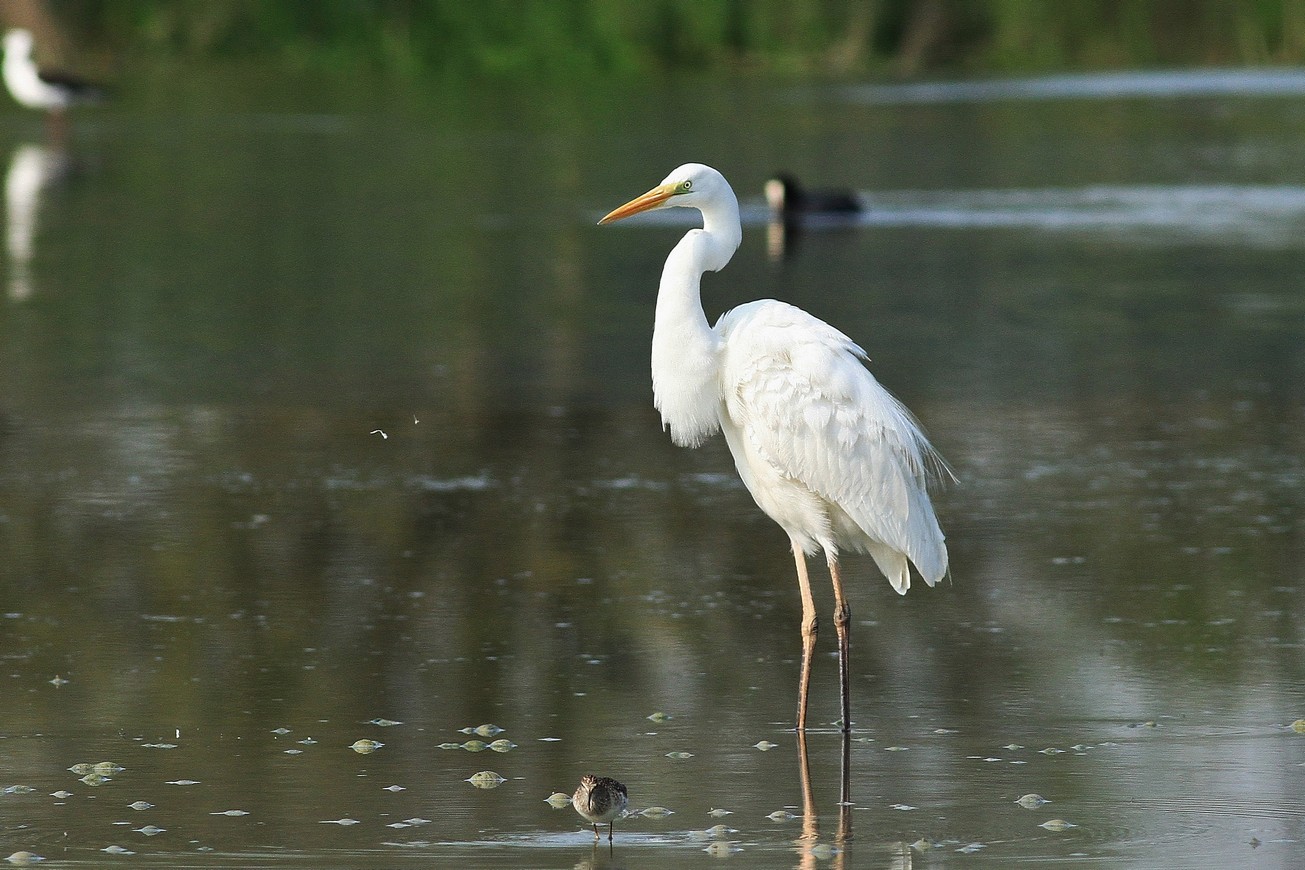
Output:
x,y
809,630
842,617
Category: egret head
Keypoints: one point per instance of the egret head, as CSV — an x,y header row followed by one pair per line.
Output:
x,y
691,185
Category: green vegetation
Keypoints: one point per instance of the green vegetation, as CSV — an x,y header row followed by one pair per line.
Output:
x,y
520,38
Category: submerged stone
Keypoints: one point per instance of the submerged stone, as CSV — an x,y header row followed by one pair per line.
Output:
x,y
486,779
21,858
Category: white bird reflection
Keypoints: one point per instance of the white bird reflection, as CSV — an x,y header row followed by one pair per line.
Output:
x,y
32,170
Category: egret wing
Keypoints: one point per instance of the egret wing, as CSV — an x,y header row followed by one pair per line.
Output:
x,y
800,393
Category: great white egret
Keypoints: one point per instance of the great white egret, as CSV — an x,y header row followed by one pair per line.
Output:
x,y
41,89
600,800
826,452
789,201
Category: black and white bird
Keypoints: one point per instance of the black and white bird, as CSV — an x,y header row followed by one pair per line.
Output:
x,y
788,200
35,88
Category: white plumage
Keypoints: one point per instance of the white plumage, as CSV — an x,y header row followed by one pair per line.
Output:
x,y
37,89
826,452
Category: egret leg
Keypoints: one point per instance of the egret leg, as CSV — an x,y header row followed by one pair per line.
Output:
x,y
809,630
842,617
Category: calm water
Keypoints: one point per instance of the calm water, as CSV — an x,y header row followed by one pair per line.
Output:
x,y
326,409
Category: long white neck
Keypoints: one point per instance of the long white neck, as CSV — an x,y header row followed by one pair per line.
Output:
x,y
685,350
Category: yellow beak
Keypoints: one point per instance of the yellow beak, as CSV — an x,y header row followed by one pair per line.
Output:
x,y
651,199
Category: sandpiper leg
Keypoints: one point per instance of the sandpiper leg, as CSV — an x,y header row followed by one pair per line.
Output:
x,y
595,832
810,628
842,616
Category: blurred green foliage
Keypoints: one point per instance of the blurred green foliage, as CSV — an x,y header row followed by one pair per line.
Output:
x,y
519,38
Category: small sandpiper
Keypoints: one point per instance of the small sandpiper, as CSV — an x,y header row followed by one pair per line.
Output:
x,y
600,800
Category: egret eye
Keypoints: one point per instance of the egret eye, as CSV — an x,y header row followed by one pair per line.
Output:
x,y
688,185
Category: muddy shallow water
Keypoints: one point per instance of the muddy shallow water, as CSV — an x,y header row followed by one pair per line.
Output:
x,y
300,452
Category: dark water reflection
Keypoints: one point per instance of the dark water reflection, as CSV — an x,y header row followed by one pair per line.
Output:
x,y
313,420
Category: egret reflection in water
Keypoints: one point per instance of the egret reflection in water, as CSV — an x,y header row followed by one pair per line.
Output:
x,y
808,843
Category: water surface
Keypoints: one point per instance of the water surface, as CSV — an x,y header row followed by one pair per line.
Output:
x,y
326,417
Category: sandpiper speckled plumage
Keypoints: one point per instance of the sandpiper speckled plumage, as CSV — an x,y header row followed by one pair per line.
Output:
x,y
600,800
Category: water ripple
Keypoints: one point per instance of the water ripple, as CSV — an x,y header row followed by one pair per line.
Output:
x,y
1226,213
1092,86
